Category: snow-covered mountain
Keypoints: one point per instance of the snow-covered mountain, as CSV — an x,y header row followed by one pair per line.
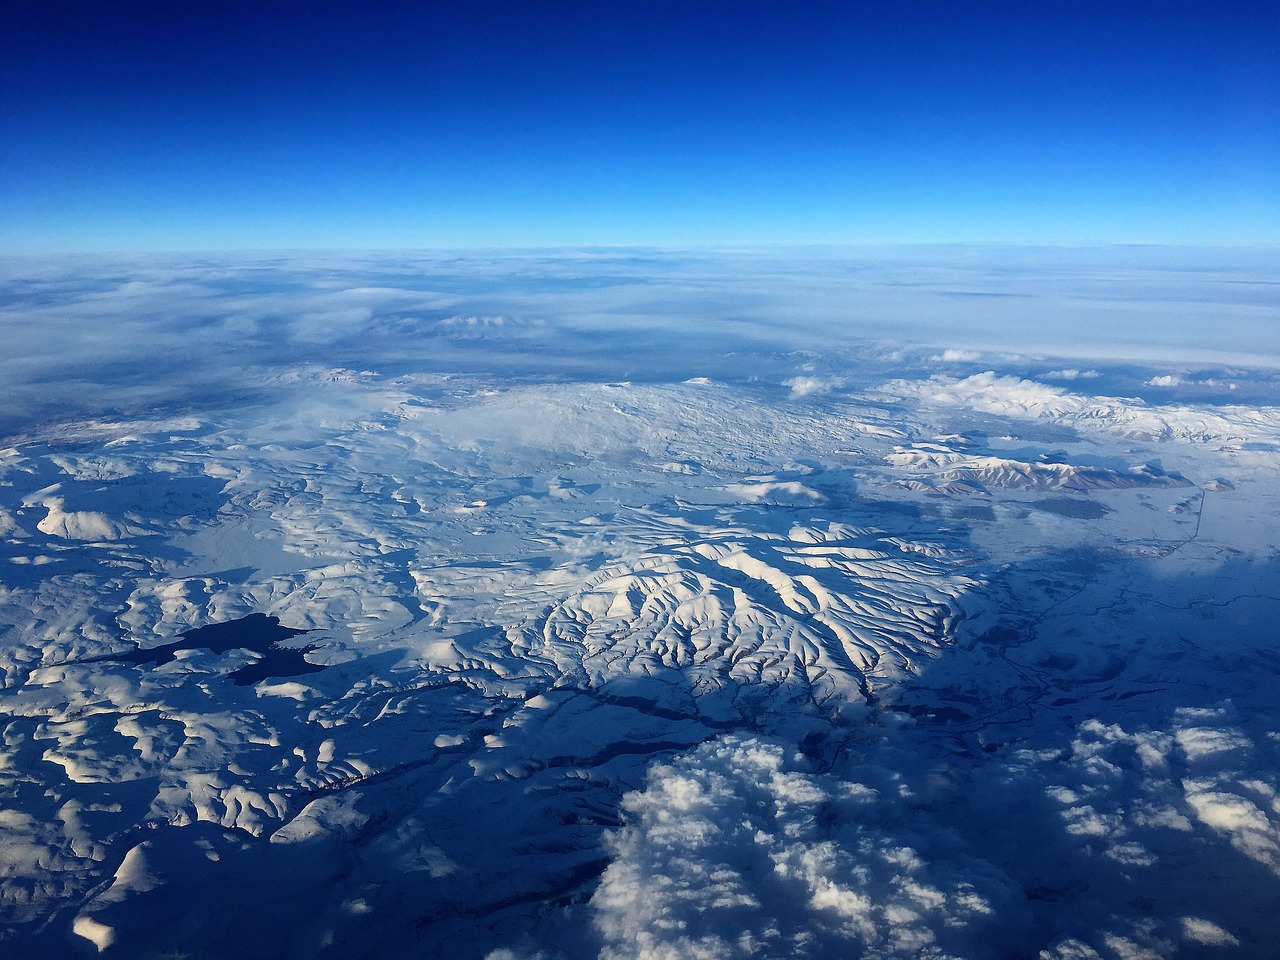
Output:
x,y
377,661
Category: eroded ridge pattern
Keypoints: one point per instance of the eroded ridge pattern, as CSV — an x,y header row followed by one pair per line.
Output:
x,y
394,664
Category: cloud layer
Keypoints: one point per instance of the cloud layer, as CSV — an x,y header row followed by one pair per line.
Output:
x,y
734,851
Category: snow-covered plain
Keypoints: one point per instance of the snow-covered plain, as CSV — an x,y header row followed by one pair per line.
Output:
x,y
637,624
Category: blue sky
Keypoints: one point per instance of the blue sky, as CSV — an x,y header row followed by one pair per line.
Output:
x,y
200,125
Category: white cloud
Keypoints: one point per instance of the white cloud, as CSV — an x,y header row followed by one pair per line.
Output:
x,y
1125,949
1146,808
1206,932
732,851
1200,742
1071,950
804,386
1125,790
1165,380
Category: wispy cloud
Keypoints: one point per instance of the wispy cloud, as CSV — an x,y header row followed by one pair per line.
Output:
x,y
1071,373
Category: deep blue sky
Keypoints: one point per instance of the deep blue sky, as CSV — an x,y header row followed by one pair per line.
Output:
x,y
197,125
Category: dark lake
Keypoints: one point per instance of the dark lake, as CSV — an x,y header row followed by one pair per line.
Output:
x,y
257,632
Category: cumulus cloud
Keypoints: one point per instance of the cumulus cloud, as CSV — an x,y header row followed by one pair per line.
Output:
x,y
1135,803
739,849
803,386
733,851
957,356
1130,787
1165,380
